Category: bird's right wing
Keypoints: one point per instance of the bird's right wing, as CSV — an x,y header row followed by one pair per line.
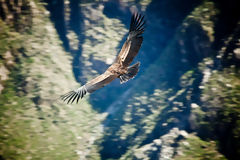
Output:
x,y
95,84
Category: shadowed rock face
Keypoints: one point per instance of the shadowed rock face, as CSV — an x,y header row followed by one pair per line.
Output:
x,y
184,99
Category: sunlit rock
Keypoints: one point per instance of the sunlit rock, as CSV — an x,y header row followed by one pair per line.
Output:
x,y
194,105
237,53
3,73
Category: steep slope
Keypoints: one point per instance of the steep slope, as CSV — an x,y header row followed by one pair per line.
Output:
x,y
34,123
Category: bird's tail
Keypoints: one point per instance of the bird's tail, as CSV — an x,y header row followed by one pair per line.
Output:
x,y
131,73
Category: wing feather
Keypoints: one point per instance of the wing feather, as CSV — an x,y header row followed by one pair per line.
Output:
x,y
136,17
75,96
140,27
79,95
140,22
71,97
64,97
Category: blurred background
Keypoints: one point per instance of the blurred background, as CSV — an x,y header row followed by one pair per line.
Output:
x,y
184,104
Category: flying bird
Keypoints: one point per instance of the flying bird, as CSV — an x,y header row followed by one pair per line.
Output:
x,y
120,67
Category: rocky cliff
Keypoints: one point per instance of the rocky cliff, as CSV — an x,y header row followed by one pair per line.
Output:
x,y
35,71
184,103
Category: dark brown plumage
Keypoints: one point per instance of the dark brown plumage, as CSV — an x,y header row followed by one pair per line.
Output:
x,y
120,68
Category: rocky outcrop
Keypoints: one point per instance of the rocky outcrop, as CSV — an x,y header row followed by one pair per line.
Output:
x,y
163,148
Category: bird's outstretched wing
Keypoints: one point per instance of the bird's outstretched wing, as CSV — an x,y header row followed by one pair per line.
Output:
x,y
90,87
134,41
125,57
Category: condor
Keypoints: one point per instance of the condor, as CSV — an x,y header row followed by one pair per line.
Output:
x,y
120,68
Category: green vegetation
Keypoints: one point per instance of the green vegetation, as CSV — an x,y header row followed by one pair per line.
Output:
x,y
13,135
195,148
221,105
34,123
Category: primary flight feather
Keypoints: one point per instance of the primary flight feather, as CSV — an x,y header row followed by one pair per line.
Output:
x,y
120,68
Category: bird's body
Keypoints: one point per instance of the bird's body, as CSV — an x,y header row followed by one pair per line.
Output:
x,y
120,68
117,68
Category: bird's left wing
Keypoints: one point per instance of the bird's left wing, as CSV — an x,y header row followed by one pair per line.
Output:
x,y
95,84
134,41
